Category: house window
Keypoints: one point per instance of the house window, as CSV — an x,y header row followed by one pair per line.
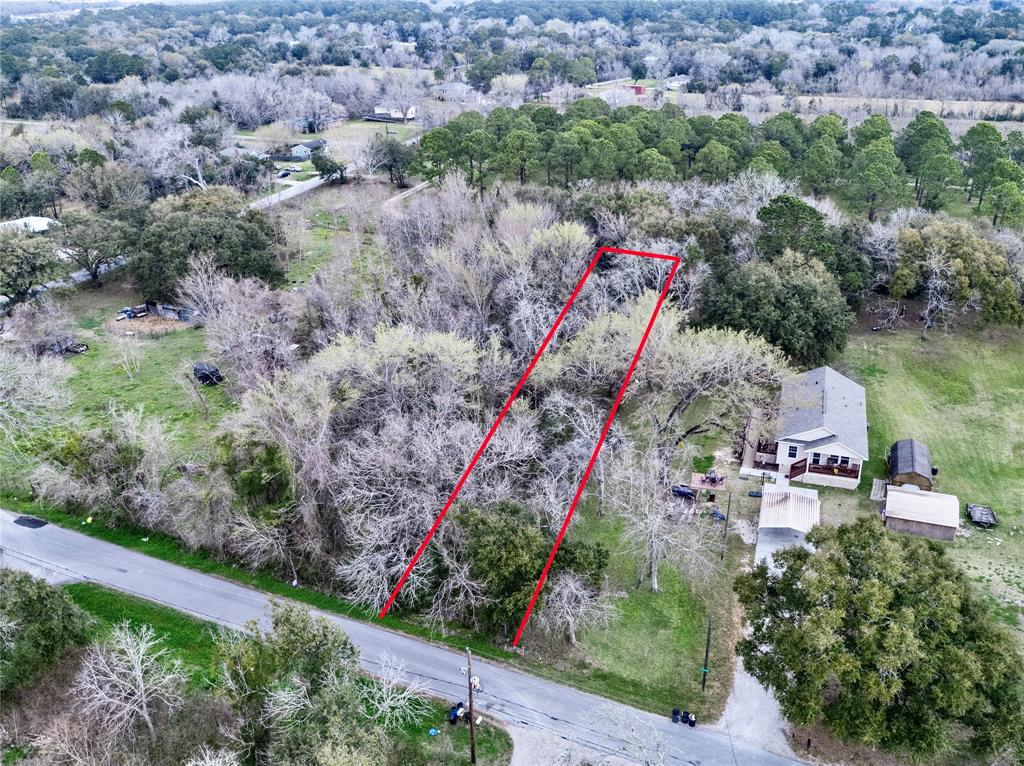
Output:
x,y
833,460
792,450
816,458
844,462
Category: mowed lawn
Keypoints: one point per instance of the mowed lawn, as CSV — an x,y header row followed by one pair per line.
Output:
x,y
654,644
963,395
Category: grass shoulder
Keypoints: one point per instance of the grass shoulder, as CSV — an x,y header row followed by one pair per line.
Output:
x,y
191,641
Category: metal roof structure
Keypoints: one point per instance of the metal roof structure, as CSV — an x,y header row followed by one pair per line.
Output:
x,y
789,508
913,504
36,224
824,399
910,456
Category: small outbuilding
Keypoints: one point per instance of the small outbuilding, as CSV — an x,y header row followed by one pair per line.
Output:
x,y
789,508
787,514
926,514
910,462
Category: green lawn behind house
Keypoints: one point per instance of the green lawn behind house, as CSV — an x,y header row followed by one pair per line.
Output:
x,y
963,395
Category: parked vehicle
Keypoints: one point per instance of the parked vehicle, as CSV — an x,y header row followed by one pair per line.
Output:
x,y
283,174
681,490
207,373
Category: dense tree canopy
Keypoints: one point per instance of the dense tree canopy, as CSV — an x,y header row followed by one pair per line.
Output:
x,y
25,262
214,220
792,301
38,623
882,638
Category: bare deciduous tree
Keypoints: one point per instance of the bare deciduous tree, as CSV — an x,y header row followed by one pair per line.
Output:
x,y
394,699
643,742
39,327
74,741
126,681
32,393
249,332
197,289
207,756
129,354
571,604
654,527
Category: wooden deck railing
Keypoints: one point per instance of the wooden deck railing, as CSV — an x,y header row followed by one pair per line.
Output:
x,y
847,472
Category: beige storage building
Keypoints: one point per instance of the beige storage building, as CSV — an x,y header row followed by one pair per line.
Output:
x,y
925,514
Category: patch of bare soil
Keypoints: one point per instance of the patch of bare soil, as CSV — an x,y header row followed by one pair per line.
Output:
x,y
151,324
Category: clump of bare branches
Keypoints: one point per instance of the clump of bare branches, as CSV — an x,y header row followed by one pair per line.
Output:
x,y
32,394
197,289
207,756
394,699
127,681
250,332
572,604
129,354
40,327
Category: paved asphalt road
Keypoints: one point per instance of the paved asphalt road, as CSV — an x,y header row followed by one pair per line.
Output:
x,y
508,695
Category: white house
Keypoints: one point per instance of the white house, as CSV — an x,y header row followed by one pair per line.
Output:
x,y
305,150
32,224
822,435
384,112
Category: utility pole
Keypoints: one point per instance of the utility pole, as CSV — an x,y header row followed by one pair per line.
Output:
x,y
725,529
707,654
472,715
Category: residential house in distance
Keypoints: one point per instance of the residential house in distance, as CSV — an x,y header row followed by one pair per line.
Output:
x,y
31,224
822,433
388,113
305,150
926,514
910,462
241,153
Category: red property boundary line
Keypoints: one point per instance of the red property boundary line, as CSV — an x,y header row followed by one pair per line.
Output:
x,y
676,262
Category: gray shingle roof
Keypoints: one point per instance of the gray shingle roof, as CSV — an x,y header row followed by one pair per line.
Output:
x,y
823,398
910,456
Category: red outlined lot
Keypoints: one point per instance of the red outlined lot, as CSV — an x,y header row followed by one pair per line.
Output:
x,y
675,261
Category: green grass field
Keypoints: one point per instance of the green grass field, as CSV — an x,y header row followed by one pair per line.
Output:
x,y
158,388
340,136
963,395
189,640
654,645
192,642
